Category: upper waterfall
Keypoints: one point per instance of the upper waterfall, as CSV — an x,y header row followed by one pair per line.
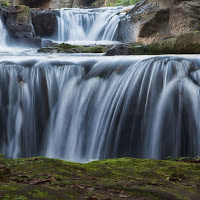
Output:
x,y
84,25
3,35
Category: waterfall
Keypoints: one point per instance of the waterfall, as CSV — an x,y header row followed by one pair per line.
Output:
x,y
3,35
94,108
88,24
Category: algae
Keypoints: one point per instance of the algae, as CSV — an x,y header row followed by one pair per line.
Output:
x,y
44,178
68,48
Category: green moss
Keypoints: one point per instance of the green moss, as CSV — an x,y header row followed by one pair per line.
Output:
x,y
112,3
14,197
68,48
188,43
43,178
39,194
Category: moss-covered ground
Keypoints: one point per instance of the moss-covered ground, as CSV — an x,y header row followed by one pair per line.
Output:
x,y
68,48
124,178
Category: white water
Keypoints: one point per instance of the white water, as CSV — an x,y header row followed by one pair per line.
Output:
x,y
88,26
3,35
83,108
86,108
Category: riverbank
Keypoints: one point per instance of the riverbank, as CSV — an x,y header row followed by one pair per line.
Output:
x,y
124,178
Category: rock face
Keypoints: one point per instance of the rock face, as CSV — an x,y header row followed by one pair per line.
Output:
x,y
44,4
152,20
83,2
44,22
188,43
61,4
17,20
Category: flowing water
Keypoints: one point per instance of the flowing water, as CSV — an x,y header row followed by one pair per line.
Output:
x,y
3,35
89,26
82,108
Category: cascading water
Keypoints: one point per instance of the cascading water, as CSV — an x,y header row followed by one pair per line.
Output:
x,y
88,24
3,35
82,108
98,108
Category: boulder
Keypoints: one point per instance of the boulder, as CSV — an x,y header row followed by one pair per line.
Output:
x,y
44,22
68,48
45,4
17,20
153,20
188,43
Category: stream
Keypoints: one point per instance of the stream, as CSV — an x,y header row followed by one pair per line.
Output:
x,y
84,107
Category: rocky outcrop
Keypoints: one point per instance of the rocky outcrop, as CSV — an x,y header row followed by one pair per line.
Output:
x,y
154,20
44,4
188,43
83,2
68,48
17,20
44,22
55,4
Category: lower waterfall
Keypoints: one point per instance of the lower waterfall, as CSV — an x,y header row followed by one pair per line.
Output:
x,y
88,108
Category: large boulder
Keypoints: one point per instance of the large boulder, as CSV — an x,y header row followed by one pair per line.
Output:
x,y
44,22
152,20
17,20
187,43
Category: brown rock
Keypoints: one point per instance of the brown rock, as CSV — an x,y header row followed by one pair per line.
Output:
x,y
154,20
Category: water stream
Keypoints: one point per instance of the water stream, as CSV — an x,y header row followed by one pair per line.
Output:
x,y
3,35
89,26
82,108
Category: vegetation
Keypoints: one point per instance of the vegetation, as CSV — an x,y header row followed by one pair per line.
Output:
x,y
4,3
68,48
100,3
124,178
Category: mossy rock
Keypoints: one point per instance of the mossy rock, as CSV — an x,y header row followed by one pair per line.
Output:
x,y
123,178
68,48
188,43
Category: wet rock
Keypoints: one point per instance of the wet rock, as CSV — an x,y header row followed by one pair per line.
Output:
x,y
44,22
188,43
68,48
17,20
47,43
45,4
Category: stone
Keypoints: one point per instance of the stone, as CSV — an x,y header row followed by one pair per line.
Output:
x,y
153,20
68,48
187,43
17,20
44,22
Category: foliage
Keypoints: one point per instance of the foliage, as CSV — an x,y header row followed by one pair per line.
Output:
x,y
4,3
100,3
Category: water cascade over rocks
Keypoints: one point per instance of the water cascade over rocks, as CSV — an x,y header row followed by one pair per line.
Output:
x,y
83,108
83,25
100,107
3,35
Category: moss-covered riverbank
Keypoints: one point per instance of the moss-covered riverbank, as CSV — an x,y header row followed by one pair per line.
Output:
x,y
125,178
